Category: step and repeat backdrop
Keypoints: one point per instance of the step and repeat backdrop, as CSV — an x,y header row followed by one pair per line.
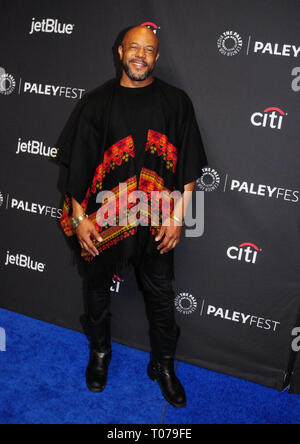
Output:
x,y
237,285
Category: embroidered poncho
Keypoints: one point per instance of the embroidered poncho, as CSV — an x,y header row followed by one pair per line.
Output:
x,y
173,156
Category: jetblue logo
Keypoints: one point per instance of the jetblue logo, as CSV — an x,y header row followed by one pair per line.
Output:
x,y
50,25
2,340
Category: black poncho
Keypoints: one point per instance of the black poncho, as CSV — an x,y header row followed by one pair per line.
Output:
x,y
173,156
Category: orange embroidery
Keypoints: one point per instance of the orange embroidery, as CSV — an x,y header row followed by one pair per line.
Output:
x,y
157,142
113,156
149,181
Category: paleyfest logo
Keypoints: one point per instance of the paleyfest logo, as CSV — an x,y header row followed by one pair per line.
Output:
x,y
7,82
261,190
242,318
186,304
229,43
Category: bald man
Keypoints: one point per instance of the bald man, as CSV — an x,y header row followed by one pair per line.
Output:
x,y
139,53
144,111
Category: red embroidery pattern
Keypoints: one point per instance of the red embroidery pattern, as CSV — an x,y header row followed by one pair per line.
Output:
x,y
113,234
151,181
113,156
158,143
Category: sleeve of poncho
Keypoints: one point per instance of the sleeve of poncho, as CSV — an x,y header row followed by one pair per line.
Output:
x,y
78,150
191,157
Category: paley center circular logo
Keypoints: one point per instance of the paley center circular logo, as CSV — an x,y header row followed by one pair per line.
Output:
x,y
7,83
229,43
209,181
185,303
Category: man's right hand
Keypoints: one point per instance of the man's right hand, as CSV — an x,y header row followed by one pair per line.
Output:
x,y
84,231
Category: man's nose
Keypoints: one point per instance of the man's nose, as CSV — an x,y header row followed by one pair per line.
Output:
x,y
141,52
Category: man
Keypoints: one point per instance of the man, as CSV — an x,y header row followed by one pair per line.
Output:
x,y
141,132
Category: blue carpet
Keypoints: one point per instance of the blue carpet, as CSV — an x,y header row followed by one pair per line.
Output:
x,y
42,382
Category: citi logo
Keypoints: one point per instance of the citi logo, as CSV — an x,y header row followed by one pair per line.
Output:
x,y
50,25
246,252
117,283
271,117
154,28
23,261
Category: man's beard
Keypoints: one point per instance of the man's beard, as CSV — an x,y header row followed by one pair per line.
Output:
x,y
137,78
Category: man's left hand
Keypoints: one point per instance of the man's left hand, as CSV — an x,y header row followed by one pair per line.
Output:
x,y
171,233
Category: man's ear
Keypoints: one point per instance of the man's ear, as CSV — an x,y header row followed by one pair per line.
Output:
x,y
157,57
120,51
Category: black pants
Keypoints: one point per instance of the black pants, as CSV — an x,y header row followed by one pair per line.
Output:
x,y
155,282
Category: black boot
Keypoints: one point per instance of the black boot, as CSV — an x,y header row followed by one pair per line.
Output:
x,y
96,372
162,371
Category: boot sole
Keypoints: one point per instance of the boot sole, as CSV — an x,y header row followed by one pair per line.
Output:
x,y
153,378
93,390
